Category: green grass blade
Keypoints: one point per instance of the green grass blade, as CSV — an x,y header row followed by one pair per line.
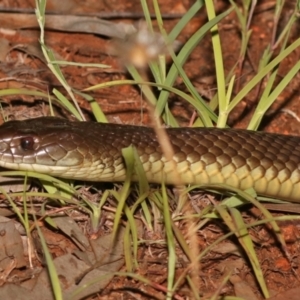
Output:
x,y
246,241
170,242
262,73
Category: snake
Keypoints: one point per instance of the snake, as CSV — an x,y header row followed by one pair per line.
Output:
x,y
91,151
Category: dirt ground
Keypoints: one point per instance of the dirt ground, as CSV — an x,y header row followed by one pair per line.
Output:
x,y
22,66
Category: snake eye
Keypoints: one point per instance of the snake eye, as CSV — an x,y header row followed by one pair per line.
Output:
x,y
27,143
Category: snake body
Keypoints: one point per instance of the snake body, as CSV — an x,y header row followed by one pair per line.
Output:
x,y
270,163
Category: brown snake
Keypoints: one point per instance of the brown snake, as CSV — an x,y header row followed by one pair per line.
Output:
x,y
269,163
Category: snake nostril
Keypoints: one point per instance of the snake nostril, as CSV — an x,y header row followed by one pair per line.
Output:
x,y
27,143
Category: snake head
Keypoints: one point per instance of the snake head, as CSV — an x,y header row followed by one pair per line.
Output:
x,y
39,144
60,148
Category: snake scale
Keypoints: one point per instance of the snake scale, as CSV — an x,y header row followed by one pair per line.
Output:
x,y
270,163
